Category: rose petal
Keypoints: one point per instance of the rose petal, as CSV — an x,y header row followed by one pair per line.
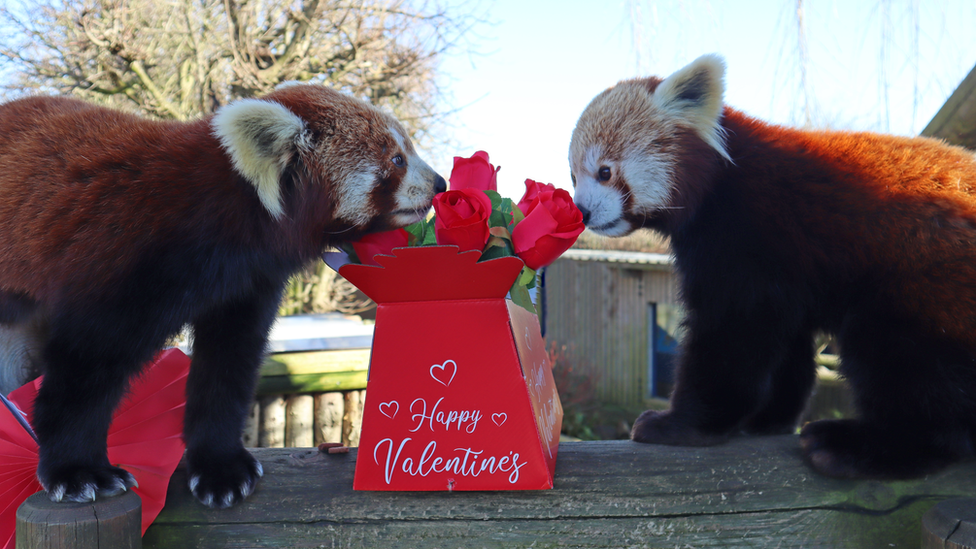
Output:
x,y
538,223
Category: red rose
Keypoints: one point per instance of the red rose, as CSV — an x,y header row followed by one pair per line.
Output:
x,y
379,244
474,173
532,190
552,223
461,218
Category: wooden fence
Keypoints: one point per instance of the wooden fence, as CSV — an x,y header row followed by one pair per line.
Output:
x,y
312,386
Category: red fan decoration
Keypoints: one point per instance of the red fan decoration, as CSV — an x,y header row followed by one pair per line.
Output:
x,y
145,439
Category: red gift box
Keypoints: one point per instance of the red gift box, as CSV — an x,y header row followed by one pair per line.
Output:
x,y
460,393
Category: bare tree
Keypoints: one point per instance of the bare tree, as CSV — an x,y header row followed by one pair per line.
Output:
x,y
181,58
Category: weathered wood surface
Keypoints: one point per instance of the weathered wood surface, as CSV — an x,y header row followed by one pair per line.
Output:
x,y
950,524
752,492
109,523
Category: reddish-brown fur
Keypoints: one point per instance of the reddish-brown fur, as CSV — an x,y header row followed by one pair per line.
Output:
x,y
116,231
778,233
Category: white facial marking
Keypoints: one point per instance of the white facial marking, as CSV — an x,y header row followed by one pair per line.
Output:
x,y
400,140
648,177
591,162
353,197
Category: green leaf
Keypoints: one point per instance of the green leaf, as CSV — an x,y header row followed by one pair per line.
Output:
x,y
495,248
520,296
430,238
496,199
527,278
499,219
416,232
518,217
500,232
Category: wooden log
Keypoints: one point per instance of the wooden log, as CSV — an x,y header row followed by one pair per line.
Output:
x,y
272,434
751,492
328,417
298,421
313,372
951,524
352,417
252,427
109,522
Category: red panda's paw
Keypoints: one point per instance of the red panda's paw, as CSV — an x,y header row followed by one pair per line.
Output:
x,y
84,484
220,484
654,427
848,448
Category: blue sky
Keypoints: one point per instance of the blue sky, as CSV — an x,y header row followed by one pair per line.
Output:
x,y
541,62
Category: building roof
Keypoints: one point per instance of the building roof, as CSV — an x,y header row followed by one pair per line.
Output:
x,y
956,120
638,259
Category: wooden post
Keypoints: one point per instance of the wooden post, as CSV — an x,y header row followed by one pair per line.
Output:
x,y
252,426
111,522
272,433
328,417
352,419
951,524
298,422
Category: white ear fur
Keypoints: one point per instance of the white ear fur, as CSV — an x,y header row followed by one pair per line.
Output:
x,y
260,137
694,93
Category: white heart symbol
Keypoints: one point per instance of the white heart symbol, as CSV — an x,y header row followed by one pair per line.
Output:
x,y
443,372
390,409
499,418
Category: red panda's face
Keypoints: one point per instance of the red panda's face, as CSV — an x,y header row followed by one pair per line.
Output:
x,y
380,181
360,158
628,146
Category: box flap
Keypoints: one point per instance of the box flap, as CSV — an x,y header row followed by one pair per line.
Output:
x,y
433,273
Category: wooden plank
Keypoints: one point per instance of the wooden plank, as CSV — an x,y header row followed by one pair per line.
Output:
x,y
752,492
317,362
312,383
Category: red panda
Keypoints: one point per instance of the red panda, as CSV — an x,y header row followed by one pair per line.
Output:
x,y
777,233
116,231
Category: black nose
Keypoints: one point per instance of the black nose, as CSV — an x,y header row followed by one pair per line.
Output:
x,y
586,214
439,184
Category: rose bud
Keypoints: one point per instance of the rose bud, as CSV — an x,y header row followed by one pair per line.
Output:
x,y
474,173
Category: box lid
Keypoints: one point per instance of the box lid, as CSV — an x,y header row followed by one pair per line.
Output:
x,y
433,273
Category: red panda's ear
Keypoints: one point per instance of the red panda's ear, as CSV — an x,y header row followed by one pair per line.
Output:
x,y
260,137
694,94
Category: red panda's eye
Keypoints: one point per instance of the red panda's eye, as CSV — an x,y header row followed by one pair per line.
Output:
x,y
604,173
398,161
